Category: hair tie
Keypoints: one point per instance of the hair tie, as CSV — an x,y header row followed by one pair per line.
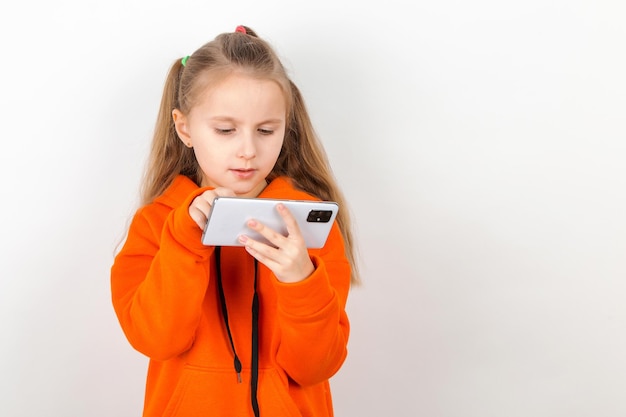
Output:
x,y
241,29
184,61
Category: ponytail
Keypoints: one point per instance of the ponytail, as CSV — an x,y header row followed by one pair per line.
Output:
x,y
168,157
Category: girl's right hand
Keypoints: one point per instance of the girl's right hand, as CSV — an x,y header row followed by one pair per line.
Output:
x,y
201,206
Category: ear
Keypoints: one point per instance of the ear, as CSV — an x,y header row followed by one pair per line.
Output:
x,y
180,124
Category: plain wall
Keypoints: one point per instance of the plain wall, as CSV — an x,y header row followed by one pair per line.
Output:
x,y
481,145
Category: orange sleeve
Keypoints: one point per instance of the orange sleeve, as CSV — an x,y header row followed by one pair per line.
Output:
x,y
313,321
159,280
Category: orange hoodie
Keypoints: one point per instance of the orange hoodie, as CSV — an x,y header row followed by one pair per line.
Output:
x,y
165,296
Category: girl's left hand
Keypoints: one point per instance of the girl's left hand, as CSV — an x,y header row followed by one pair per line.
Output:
x,y
289,259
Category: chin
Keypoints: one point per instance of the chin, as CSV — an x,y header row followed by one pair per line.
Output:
x,y
251,191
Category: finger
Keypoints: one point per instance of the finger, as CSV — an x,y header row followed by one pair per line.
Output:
x,y
200,207
262,252
293,229
224,192
198,210
283,250
272,257
287,263
274,237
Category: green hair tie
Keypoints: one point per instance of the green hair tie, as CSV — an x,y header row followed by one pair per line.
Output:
x,y
184,61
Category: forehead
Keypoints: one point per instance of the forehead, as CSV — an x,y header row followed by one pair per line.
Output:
x,y
243,97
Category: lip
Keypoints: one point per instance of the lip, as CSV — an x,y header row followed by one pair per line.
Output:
x,y
243,173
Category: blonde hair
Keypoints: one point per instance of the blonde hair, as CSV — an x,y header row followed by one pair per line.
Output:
x,y
302,157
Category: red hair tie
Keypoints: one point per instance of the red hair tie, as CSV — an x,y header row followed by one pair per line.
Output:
x,y
241,29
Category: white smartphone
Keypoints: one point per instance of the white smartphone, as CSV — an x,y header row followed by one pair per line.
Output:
x,y
229,215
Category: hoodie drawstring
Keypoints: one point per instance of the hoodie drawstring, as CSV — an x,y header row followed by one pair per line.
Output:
x,y
255,331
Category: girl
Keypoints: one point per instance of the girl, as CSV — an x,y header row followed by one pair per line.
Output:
x,y
234,331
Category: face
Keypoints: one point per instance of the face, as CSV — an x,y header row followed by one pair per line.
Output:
x,y
236,130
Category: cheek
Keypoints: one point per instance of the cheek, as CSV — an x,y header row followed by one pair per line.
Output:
x,y
209,155
215,148
278,146
275,149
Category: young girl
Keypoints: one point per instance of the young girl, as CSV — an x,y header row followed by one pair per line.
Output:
x,y
234,331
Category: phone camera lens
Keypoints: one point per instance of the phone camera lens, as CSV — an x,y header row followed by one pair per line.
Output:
x,y
319,216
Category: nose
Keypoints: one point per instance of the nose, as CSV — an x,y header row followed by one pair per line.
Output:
x,y
247,148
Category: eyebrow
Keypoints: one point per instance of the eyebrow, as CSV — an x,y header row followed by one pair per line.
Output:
x,y
232,119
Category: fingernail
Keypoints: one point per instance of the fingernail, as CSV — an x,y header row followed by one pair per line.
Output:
x,y
243,238
252,223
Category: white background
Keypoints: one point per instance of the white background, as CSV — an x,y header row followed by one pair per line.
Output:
x,y
482,146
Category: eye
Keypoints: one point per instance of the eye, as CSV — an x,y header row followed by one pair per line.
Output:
x,y
224,131
266,132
